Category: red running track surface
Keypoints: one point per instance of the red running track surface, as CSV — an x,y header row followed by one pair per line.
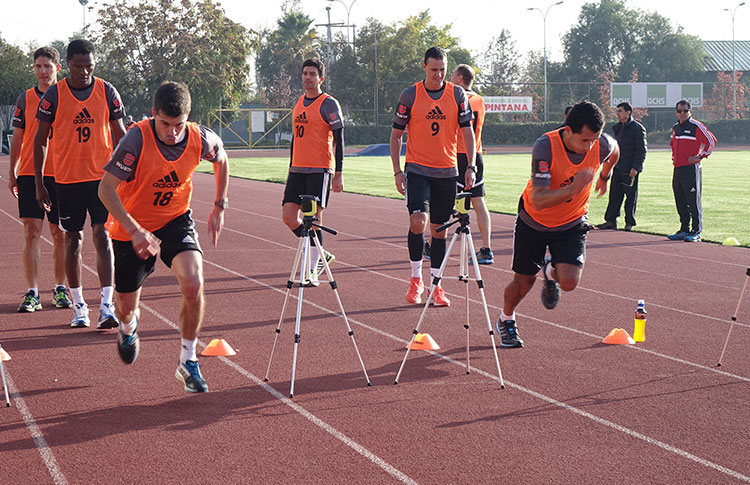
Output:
x,y
574,410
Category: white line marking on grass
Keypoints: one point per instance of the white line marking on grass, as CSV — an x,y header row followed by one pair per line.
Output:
x,y
384,465
36,434
550,400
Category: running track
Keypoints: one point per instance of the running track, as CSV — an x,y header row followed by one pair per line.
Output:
x,y
574,410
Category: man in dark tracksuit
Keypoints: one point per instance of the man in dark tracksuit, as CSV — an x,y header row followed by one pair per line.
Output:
x,y
631,136
691,142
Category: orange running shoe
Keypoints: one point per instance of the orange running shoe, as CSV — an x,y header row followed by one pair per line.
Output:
x,y
416,287
439,298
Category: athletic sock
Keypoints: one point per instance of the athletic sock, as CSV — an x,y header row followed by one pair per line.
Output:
x,y
35,291
59,285
504,317
416,246
299,231
437,252
77,295
433,273
107,292
187,351
128,328
416,269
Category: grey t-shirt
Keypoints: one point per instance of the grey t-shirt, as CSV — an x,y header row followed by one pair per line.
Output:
x,y
114,102
402,115
330,111
131,146
19,115
541,160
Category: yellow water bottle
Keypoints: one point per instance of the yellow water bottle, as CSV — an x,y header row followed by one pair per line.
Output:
x,y
639,330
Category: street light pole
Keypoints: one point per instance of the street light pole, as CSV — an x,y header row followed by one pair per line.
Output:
x,y
734,69
83,4
544,28
348,11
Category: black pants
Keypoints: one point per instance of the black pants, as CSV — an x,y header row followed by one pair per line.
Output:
x,y
618,191
687,185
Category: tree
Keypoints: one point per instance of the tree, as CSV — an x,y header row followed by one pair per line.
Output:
x,y
611,37
140,46
500,66
16,76
721,101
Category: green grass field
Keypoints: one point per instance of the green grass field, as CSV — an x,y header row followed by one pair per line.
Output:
x,y
725,197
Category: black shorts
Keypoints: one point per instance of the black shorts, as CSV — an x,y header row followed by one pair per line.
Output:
x,y
176,236
317,184
74,200
27,204
463,161
431,194
530,246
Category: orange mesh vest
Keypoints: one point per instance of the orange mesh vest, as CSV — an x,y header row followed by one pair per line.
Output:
x,y
161,190
477,106
26,161
313,138
83,142
562,171
432,129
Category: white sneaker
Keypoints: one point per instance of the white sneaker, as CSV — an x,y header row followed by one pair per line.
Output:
x,y
107,318
81,316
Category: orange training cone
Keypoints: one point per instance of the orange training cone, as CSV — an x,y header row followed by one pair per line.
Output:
x,y
218,347
4,355
423,341
618,336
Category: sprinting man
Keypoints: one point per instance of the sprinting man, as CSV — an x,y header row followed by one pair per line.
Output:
x,y
435,111
317,152
463,76
86,115
22,186
147,187
553,211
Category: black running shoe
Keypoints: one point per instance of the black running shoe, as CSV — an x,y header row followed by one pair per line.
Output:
x,y
190,375
550,290
128,346
508,334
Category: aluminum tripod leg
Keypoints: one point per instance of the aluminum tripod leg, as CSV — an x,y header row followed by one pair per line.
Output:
x,y
434,282
734,317
5,386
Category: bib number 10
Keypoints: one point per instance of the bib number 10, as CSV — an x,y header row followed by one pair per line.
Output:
x,y
84,133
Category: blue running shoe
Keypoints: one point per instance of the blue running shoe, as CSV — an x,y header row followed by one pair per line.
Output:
x,y
508,332
484,256
693,237
678,236
128,346
189,374
30,303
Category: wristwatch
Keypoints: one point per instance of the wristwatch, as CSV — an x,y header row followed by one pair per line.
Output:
x,y
472,167
222,203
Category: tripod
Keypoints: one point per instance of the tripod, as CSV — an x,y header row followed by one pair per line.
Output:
x,y
5,386
467,248
303,254
734,317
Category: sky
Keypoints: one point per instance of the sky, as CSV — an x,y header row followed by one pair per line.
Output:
x,y
475,27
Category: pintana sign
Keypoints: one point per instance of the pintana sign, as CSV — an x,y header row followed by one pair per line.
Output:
x,y
656,95
507,104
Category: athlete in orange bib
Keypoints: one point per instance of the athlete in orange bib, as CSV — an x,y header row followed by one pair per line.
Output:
x,y
22,186
553,211
147,187
433,112
317,153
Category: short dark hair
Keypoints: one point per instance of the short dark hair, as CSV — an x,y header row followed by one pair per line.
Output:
x,y
435,52
685,103
583,114
49,52
466,72
567,110
317,64
80,46
626,106
172,99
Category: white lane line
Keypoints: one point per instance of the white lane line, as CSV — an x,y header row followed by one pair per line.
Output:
x,y
550,400
384,465
48,458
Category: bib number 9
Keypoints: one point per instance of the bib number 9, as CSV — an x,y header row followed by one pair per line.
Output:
x,y
435,127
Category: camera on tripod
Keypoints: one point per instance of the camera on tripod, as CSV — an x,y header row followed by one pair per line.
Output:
x,y
309,205
463,202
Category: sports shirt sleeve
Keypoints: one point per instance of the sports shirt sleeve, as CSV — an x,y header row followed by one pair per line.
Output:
x,y
48,105
330,111
541,158
706,139
607,145
402,113
114,102
125,157
211,144
19,117
465,114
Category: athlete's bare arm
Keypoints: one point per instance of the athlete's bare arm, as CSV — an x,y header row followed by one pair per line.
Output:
x,y
118,130
601,181
221,175
395,145
15,155
471,153
40,159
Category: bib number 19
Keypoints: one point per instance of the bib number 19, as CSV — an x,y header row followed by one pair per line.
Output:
x,y
84,133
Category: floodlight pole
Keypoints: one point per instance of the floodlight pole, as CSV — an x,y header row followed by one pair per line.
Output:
x,y
83,7
544,28
348,11
734,69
